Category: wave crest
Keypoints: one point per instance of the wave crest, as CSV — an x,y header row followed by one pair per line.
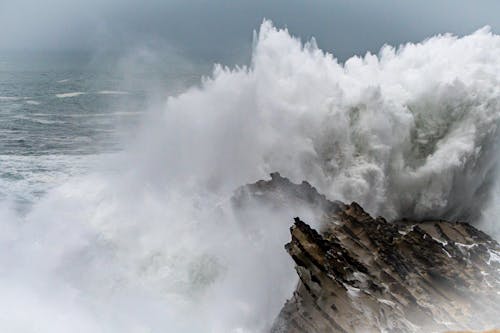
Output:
x,y
408,132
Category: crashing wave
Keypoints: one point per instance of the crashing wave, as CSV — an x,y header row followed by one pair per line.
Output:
x,y
408,132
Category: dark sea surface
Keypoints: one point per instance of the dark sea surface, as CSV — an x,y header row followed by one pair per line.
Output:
x,y
62,113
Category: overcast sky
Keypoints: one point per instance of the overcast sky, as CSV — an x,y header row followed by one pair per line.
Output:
x,y
222,29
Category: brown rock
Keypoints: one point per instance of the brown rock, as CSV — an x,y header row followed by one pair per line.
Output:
x,y
360,274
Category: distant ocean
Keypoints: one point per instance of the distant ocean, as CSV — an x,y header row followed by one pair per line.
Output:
x,y
63,112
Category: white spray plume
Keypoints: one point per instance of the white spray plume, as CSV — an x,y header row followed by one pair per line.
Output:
x,y
155,246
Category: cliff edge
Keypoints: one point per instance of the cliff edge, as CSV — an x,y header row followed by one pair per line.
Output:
x,y
365,274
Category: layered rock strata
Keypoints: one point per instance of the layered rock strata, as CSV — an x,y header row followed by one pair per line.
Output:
x,y
365,274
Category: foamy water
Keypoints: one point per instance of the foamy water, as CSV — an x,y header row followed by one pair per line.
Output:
x,y
112,92
70,94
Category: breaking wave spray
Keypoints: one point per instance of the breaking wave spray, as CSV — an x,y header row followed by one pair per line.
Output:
x,y
155,246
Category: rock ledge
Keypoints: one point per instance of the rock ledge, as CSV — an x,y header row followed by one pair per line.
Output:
x,y
362,274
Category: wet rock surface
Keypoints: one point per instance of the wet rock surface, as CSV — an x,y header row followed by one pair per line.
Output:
x,y
365,274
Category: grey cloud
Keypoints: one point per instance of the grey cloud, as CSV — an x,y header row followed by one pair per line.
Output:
x,y
222,29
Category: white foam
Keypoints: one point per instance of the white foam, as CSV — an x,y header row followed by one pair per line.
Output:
x,y
112,92
9,98
32,102
70,94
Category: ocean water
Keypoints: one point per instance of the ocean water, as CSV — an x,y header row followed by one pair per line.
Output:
x,y
61,113
117,176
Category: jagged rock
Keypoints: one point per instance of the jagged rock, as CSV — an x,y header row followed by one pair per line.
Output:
x,y
281,192
361,274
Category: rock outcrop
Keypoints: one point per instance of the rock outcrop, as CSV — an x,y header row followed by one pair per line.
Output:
x,y
365,274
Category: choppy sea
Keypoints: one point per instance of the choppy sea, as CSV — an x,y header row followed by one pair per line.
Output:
x,y
62,113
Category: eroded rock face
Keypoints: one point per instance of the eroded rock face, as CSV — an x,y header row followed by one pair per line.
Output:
x,y
360,274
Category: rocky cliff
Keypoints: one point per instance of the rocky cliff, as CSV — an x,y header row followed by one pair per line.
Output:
x,y
365,274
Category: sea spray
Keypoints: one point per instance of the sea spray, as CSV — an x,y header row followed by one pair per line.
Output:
x,y
156,246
